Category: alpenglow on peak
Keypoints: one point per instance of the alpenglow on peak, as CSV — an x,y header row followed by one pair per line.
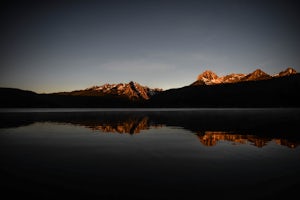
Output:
x,y
210,78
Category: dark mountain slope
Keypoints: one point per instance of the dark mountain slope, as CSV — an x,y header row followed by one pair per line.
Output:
x,y
11,97
19,98
276,92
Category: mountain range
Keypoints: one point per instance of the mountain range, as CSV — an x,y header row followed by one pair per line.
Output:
x,y
256,89
132,90
210,78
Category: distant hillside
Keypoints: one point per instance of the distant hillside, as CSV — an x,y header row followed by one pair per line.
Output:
x,y
18,98
129,94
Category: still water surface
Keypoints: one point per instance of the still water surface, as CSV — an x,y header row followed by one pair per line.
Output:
x,y
150,154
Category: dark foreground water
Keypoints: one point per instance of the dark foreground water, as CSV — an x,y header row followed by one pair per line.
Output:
x,y
150,154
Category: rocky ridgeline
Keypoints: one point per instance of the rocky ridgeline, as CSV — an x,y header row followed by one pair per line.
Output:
x,y
210,78
131,90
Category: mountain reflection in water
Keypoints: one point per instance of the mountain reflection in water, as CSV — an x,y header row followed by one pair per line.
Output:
x,y
211,138
130,126
150,154
256,127
207,138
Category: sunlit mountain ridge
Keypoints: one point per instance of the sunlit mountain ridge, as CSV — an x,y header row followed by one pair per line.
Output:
x,y
132,90
210,78
257,89
135,91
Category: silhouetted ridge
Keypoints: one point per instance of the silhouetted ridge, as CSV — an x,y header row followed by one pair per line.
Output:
x,y
269,92
257,89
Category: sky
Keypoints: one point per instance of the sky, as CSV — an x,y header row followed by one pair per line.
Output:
x,y
53,46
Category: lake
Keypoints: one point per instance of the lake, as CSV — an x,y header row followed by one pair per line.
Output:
x,y
150,153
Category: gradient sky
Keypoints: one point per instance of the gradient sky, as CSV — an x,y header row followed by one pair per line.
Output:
x,y
51,46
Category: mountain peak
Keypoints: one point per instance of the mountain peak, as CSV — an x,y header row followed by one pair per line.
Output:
x,y
258,71
258,74
206,78
287,72
131,90
208,74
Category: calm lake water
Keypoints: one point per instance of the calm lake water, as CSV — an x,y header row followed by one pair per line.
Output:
x,y
150,153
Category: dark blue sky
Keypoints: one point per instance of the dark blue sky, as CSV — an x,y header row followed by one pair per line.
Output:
x,y
50,46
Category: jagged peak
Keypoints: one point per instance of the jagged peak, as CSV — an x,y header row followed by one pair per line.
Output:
x,y
259,72
131,82
208,74
210,78
131,89
287,72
